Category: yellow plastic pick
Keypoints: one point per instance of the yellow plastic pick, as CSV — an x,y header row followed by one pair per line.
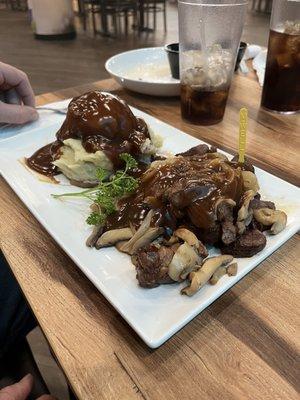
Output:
x,y
243,134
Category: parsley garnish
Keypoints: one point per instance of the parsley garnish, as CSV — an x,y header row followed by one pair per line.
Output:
x,y
106,193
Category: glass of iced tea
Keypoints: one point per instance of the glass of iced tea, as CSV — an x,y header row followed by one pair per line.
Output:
x,y
281,91
209,37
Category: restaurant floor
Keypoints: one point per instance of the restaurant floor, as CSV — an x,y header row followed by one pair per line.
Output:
x,y
57,65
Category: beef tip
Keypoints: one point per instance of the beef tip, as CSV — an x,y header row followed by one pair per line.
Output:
x,y
257,225
246,166
228,232
256,204
199,150
248,244
211,235
152,263
184,197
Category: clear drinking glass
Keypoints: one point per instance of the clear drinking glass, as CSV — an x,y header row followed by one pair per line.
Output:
x,y
281,91
209,37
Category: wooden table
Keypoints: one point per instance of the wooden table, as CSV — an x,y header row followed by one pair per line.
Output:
x,y
244,346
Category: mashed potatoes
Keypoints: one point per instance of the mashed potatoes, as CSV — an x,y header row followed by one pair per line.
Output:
x,y
150,146
79,165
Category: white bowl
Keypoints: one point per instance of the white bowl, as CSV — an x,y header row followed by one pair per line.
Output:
x,y
145,71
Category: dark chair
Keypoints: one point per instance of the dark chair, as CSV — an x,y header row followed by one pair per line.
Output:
x,y
114,9
89,7
120,10
5,2
17,5
148,7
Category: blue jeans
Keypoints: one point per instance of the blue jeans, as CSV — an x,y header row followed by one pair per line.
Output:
x,y
16,319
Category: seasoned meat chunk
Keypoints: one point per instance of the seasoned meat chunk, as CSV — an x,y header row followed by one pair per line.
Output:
x,y
152,263
248,244
256,204
211,235
228,232
181,198
199,150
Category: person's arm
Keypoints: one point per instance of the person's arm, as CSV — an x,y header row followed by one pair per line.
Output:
x,y
21,390
17,100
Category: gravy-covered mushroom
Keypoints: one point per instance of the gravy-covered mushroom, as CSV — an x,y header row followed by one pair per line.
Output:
x,y
250,181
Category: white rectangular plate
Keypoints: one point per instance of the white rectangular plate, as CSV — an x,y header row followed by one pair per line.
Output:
x,y
155,314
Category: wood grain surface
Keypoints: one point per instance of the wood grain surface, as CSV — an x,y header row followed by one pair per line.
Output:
x,y
244,346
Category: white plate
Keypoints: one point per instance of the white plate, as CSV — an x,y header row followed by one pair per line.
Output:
x,y
141,61
155,314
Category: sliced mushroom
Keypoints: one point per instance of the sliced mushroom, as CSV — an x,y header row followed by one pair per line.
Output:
x,y
232,269
144,235
94,236
187,236
184,260
244,210
250,181
275,218
217,155
173,240
204,273
215,163
132,227
109,238
175,246
145,225
147,238
245,213
224,209
217,275
120,244
241,227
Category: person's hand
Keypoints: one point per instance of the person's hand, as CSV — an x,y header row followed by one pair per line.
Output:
x,y
21,390
18,102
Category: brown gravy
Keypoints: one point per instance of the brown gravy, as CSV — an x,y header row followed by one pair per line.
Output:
x,y
101,121
41,160
189,186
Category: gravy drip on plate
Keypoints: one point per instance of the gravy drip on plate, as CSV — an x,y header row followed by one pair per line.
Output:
x,y
180,188
101,121
41,160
